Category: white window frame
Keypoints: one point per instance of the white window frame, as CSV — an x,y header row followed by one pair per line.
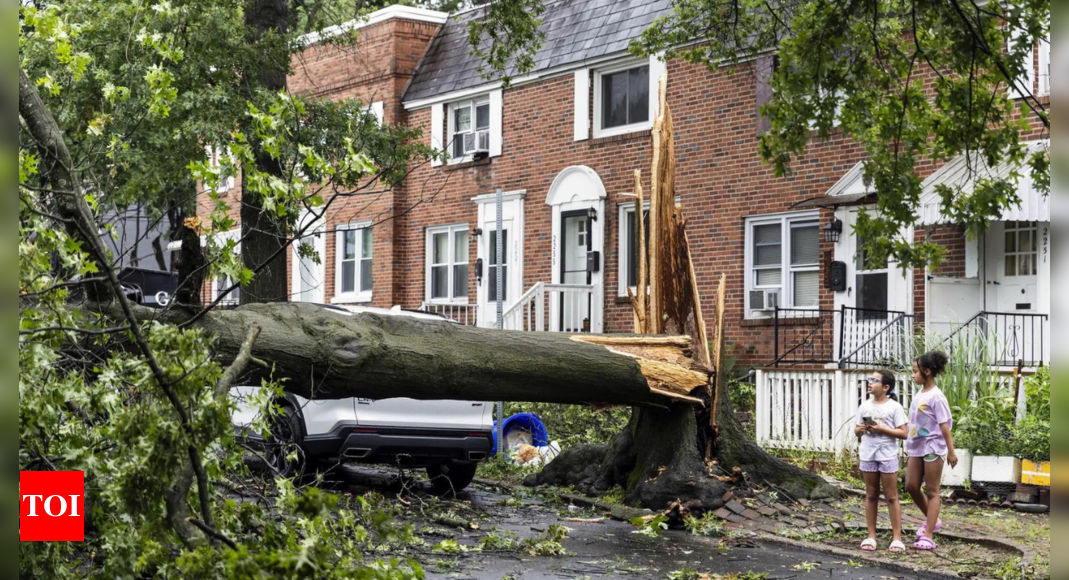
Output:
x,y
786,221
1044,67
627,213
234,298
452,261
357,296
474,105
600,131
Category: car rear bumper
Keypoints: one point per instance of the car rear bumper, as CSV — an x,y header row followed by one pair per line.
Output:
x,y
394,446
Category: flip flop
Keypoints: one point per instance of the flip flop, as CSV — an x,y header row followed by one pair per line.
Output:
x,y
868,545
924,529
925,544
897,546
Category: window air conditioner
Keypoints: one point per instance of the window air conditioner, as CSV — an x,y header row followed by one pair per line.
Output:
x,y
764,300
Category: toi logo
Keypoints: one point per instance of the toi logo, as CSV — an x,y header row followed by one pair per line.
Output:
x,y
52,506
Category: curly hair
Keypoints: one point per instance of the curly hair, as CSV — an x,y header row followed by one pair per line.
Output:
x,y
934,362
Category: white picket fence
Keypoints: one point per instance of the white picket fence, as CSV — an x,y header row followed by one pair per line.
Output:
x,y
813,410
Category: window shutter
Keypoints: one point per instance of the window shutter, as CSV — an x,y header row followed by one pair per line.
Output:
x,y
437,128
496,118
658,67
582,104
1029,79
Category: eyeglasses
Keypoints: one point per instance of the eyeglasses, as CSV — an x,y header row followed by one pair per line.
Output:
x,y
874,381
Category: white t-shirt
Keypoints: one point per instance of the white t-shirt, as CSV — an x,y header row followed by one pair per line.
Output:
x,y
890,415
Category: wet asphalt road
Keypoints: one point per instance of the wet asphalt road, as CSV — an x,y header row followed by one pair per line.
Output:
x,y
607,549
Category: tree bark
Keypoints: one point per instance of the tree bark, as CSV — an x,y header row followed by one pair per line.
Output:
x,y
266,23
329,353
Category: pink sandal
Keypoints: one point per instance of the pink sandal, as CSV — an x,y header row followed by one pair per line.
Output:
x,y
924,528
869,545
925,544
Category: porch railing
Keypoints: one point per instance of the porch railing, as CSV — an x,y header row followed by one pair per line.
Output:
x,y
466,314
878,339
1004,339
848,337
804,336
556,307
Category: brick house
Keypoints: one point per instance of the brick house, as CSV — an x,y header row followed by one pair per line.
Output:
x,y
562,142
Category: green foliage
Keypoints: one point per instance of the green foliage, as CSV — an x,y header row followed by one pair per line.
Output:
x,y
650,526
494,542
507,38
706,525
572,425
743,396
860,70
550,543
1031,436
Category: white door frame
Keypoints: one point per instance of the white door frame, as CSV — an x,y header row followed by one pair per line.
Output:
x,y
512,217
900,288
318,229
580,188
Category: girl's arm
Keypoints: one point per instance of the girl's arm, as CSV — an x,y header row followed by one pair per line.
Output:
x,y
860,429
901,432
952,456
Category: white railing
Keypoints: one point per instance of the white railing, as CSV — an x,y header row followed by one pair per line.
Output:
x,y
528,312
570,308
466,314
813,410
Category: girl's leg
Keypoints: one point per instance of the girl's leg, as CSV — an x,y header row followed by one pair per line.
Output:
x,y
914,476
894,507
933,476
872,500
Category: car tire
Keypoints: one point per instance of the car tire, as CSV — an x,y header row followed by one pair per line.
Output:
x,y
451,477
287,434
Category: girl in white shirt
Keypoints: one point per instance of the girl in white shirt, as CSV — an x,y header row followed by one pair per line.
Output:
x,y
881,423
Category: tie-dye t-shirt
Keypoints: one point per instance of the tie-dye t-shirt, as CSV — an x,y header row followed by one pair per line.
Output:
x,y
927,412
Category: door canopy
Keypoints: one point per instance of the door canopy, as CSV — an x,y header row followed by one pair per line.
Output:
x,y
576,184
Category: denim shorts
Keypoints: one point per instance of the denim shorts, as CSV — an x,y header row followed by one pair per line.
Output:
x,y
890,466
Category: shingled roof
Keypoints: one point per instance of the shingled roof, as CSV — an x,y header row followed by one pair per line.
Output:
x,y
576,30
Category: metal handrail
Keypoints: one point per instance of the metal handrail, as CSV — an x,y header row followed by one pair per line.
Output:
x,y
900,319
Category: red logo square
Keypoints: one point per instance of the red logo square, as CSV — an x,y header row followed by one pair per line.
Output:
x,y
52,506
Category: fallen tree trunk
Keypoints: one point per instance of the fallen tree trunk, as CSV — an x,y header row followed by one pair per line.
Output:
x,y
325,353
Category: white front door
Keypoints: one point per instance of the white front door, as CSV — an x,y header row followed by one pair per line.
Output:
x,y
510,269
309,253
576,244
876,296
1015,325
1013,267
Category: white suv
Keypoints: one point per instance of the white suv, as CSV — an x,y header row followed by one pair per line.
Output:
x,y
448,438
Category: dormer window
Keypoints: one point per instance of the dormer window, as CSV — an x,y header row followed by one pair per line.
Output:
x,y
469,128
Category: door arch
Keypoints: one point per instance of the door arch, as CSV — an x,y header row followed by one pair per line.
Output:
x,y
577,198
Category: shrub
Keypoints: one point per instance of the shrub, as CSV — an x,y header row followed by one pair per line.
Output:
x,y
1031,439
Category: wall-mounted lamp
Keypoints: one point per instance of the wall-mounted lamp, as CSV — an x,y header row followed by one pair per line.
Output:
x,y
592,214
833,231
476,232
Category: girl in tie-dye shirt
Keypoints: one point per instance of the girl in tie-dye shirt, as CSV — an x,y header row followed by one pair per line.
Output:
x,y
929,445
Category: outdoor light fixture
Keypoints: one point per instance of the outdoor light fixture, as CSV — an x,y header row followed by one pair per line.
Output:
x,y
592,214
476,232
833,231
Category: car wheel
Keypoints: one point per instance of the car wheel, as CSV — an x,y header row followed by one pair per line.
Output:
x,y
451,477
286,436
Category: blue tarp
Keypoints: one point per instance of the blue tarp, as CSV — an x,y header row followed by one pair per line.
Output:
x,y
524,422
